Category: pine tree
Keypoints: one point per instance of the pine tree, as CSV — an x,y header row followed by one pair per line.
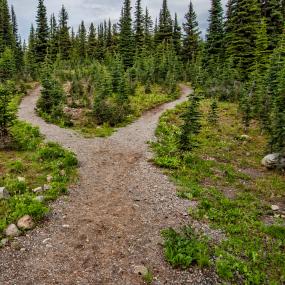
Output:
x,y
165,26
177,36
138,26
126,43
63,35
191,36
272,11
191,126
215,35
42,33
92,42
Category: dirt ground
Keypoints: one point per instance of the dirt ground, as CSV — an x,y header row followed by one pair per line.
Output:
x,y
112,219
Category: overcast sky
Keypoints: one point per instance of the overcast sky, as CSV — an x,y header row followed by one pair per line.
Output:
x,y
98,10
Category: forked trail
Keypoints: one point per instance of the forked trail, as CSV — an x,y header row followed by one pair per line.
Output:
x,y
112,219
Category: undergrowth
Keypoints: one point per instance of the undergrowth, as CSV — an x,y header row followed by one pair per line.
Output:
x,y
234,195
25,164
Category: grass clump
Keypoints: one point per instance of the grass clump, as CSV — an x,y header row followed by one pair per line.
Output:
x,y
185,249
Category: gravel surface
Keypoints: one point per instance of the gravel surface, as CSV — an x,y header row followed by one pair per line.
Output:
x,y
111,221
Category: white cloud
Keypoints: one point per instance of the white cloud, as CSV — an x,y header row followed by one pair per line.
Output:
x,y
98,10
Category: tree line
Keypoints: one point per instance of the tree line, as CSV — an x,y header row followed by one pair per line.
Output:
x,y
241,58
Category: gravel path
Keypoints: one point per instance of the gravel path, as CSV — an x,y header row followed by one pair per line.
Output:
x,y
112,219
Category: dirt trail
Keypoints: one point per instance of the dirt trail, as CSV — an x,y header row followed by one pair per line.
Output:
x,y
112,219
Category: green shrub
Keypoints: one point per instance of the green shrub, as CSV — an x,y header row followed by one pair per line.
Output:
x,y
16,166
15,187
184,249
51,151
25,137
26,205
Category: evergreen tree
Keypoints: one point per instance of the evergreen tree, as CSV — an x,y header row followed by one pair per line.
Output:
x,y
7,38
7,65
272,11
53,39
148,26
214,44
18,51
63,35
92,42
42,33
177,36
7,116
139,26
126,44
191,36
243,27
31,53
82,41
277,133
100,47
191,126
165,26
51,94
213,113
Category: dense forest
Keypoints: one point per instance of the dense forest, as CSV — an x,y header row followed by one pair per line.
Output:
x,y
97,78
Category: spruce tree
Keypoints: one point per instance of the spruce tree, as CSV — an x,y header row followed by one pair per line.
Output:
x,y
63,35
148,29
241,42
7,116
214,50
53,39
82,41
42,33
139,26
272,11
18,51
191,126
31,63
126,42
213,113
277,133
92,42
100,46
177,36
191,36
7,38
165,26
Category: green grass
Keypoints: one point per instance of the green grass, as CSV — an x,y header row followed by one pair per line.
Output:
x,y
234,195
29,157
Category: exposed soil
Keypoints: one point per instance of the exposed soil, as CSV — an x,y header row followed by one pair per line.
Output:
x,y
112,219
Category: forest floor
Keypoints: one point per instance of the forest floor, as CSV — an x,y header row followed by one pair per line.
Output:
x,y
112,219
